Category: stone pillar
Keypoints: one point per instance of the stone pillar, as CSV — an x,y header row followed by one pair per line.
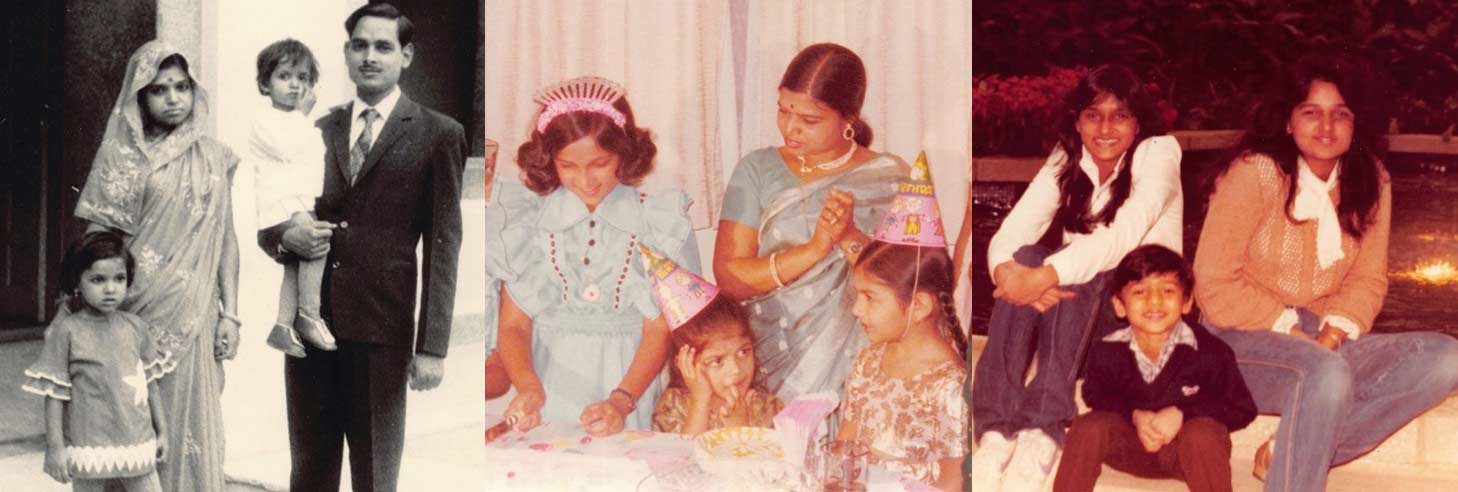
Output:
x,y
191,26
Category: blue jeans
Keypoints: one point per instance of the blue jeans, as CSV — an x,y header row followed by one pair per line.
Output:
x,y
1336,406
1000,401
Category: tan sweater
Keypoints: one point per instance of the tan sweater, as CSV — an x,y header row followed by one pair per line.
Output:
x,y
1253,262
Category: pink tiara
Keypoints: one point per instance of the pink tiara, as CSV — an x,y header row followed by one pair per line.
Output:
x,y
589,94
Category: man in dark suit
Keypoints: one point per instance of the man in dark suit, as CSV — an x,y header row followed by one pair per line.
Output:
x,y
392,181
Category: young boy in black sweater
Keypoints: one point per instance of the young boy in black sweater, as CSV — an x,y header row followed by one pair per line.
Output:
x,y
1163,395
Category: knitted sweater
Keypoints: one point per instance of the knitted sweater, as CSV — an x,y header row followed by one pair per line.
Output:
x,y
1201,380
1253,261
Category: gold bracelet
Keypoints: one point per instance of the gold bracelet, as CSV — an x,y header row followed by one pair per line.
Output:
x,y
230,317
775,271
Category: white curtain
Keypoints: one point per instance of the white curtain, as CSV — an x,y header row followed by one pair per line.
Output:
x,y
918,57
670,55
704,76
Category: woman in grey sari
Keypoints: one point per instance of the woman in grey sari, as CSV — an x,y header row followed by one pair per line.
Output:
x,y
166,187
793,222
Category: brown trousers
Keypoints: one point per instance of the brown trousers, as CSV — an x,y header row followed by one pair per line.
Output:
x,y
1199,454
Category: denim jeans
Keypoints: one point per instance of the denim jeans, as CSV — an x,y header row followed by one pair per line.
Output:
x,y
1336,406
1000,401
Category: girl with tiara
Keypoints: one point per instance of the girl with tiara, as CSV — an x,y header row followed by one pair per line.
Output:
x,y
578,333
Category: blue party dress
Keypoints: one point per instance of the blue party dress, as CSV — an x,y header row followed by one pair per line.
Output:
x,y
579,277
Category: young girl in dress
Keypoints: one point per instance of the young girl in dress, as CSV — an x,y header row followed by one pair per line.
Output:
x,y
711,379
904,398
577,331
288,165
98,372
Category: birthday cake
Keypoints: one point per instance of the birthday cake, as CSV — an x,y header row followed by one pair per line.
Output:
x,y
558,458
751,456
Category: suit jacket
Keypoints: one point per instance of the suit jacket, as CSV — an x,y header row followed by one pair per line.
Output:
x,y
408,191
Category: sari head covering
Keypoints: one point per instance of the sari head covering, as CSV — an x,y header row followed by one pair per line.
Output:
x,y
171,198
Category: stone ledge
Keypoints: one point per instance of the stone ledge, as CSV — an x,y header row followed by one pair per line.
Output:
x,y
1428,444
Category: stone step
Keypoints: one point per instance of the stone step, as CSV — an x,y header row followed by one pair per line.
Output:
x,y
1427,446
1348,478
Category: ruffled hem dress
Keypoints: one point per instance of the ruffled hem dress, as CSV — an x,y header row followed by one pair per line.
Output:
x,y
101,367
579,277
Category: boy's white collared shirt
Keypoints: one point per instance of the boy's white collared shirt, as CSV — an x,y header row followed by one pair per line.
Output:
x,y
1150,369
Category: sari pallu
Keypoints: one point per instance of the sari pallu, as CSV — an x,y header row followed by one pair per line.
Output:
x,y
172,201
805,335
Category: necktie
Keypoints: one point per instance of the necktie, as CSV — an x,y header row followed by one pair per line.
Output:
x,y
362,145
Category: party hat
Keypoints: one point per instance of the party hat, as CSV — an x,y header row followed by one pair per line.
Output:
x,y
914,218
680,293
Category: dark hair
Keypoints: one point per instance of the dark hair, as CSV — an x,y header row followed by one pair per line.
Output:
x,y
722,318
287,50
1074,187
91,248
633,146
832,74
404,29
910,269
1149,260
1360,166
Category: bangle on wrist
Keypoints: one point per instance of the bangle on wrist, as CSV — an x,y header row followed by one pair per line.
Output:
x,y
223,313
775,270
632,401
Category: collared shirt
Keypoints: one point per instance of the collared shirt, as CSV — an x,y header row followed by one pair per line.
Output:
x,y
1150,369
384,107
1153,213
622,207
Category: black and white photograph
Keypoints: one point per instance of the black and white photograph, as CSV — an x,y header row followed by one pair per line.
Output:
x,y
243,246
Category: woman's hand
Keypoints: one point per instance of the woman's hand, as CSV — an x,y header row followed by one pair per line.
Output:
x,y
835,219
695,376
57,463
526,408
225,342
603,418
1021,285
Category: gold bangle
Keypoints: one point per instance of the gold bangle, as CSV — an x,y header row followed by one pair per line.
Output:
x,y
230,317
775,270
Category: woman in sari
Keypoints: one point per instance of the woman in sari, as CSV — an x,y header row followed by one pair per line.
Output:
x,y
793,222
166,187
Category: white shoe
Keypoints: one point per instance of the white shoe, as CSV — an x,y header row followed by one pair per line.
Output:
x,y
1032,462
993,452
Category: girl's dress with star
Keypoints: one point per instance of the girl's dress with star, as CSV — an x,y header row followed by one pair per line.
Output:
x,y
577,275
100,366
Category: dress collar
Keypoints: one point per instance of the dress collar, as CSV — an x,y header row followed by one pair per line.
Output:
x,y
622,207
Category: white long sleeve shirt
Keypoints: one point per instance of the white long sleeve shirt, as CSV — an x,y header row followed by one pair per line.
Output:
x,y
1153,213
288,158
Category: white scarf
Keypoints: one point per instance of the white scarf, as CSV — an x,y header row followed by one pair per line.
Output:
x,y
1313,201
